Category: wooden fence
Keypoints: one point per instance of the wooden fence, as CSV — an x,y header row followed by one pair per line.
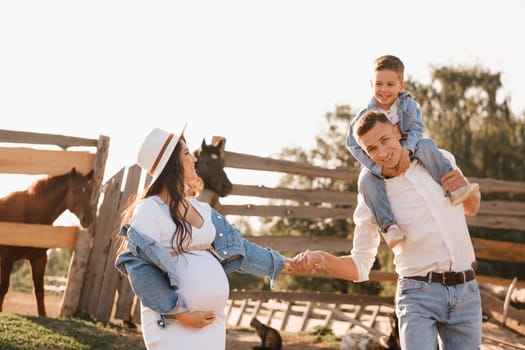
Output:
x,y
94,286
492,214
37,154
106,295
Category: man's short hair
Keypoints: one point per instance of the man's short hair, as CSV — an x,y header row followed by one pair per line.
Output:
x,y
390,62
367,121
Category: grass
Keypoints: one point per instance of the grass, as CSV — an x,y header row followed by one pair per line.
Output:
x,y
21,332
18,332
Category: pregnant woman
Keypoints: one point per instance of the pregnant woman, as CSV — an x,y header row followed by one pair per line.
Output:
x,y
177,250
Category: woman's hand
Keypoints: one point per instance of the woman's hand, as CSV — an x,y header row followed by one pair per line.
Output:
x,y
308,261
196,319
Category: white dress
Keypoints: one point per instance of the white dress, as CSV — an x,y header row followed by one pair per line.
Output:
x,y
203,282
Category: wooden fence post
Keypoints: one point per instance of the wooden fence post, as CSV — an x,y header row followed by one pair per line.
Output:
x,y
77,268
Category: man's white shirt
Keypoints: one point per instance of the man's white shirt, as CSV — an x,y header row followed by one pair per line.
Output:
x,y
437,237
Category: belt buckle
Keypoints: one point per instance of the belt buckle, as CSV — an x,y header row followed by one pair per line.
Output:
x,y
444,281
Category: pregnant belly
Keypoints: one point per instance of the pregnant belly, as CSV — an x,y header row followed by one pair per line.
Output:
x,y
203,282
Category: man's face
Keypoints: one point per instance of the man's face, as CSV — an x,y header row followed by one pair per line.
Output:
x,y
386,84
381,144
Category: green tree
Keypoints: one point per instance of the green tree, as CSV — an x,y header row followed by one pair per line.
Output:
x,y
58,262
465,115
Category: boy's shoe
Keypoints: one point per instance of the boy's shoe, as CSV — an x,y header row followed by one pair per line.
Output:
x,y
393,236
463,193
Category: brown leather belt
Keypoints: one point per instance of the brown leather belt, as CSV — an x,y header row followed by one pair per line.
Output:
x,y
447,278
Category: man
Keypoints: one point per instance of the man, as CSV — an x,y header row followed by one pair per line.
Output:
x,y
437,296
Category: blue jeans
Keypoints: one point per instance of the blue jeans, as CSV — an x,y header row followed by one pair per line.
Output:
x,y
432,313
373,189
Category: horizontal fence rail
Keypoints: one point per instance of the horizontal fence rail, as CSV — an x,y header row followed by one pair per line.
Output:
x,y
324,204
38,236
34,138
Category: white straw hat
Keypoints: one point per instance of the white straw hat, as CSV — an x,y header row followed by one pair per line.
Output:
x,y
156,150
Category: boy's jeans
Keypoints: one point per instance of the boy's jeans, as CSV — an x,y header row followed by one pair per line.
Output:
x,y
373,187
428,310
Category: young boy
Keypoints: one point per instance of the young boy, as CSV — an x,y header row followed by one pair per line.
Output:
x,y
390,97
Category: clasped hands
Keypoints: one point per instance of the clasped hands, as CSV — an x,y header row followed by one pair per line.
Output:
x,y
306,262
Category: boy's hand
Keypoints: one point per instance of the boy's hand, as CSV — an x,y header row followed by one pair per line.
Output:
x,y
400,168
404,162
196,319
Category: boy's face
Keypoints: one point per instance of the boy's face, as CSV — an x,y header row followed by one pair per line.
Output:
x,y
387,84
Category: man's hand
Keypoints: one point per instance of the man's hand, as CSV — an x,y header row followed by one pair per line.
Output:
x,y
342,267
453,180
196,319
308,262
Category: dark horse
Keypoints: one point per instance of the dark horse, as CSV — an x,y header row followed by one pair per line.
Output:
x,y
42,203
210,168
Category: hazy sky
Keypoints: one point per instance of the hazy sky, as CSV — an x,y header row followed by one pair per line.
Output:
x,y
260,73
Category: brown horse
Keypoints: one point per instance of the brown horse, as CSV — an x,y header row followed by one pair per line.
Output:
x,y
42,203
210,168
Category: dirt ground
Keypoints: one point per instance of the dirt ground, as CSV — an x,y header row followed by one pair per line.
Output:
x,y
24,304
239,340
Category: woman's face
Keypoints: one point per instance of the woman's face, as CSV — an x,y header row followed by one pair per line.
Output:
x,y
187,160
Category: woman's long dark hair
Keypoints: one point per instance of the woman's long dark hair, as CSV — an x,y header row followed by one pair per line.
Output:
x,y
171,178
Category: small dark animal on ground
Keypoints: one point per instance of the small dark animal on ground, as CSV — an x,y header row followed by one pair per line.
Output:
x,y
270,337
393,338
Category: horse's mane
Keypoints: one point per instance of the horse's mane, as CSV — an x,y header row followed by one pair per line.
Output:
x,y
46,184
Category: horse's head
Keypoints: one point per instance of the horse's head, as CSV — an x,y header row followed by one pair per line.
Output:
x,y
210,168
78,199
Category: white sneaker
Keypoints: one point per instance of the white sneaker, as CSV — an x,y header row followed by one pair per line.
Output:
x,y
463,193
393,236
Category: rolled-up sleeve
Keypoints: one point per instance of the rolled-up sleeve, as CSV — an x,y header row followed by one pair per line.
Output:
x,y
150,284
366,240
261,261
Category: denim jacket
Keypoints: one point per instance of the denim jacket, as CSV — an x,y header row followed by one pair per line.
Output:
x,y
410,124
150,267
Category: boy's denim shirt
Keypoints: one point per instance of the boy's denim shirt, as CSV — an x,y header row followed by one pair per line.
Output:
x,y
150,267
410,123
